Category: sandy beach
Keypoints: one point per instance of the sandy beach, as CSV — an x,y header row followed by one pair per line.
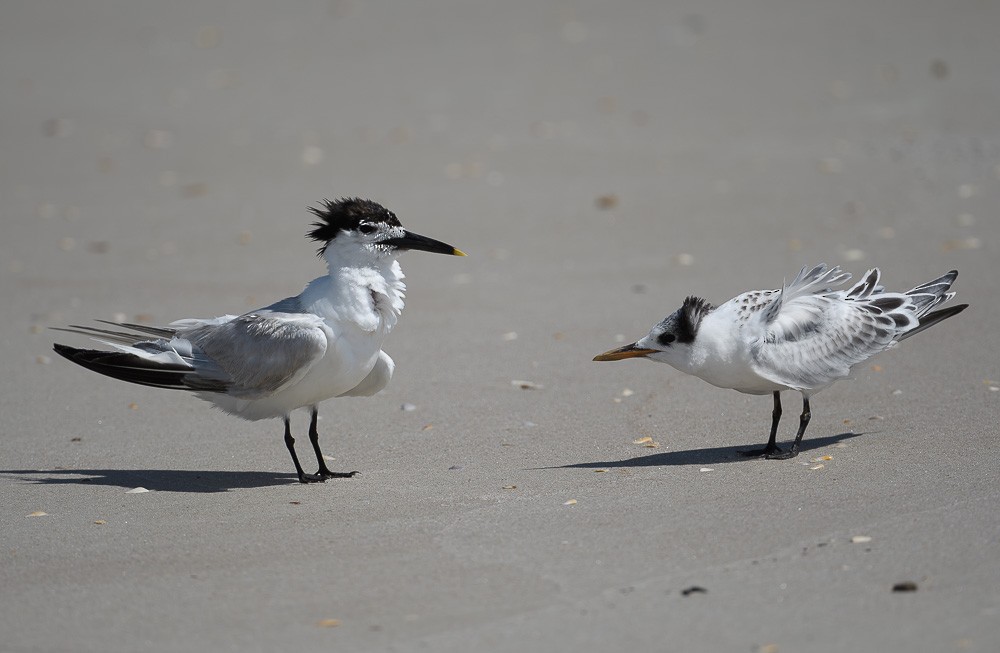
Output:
x,y
598,162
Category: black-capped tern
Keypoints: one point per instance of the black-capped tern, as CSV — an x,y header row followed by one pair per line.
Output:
x,y
324,342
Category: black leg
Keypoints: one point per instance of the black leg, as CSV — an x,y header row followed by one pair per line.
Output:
x,y
771,449
290,443
324,471
803,423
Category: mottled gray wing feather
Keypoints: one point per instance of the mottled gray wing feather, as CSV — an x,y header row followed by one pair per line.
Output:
x,y
815,340
260,352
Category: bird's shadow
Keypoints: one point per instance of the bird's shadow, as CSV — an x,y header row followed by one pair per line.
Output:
x,y
162,480
706,456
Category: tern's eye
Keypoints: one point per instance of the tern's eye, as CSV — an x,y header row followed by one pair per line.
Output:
x,y
666,338
366,228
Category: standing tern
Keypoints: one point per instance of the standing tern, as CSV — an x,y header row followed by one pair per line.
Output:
x,y
802,337
324,342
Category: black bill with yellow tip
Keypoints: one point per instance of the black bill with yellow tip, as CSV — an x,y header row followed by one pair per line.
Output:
x,y
628,351
410,240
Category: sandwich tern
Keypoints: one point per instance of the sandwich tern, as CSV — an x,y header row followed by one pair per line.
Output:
x,y
802,337
324,342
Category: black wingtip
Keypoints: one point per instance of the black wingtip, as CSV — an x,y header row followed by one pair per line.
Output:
x,y
932,318
126,367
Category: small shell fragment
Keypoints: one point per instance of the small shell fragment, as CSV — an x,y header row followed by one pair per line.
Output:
x,y
819,466
509,487
328,623
600,471
606,202
642,440
861,539
706,469
571,502
820,459
136,490
100,521
38,513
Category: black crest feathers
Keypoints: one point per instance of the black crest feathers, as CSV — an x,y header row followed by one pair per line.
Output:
x,y
693,309
347,214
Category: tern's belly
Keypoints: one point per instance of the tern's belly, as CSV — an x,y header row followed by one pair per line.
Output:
x,y
342,368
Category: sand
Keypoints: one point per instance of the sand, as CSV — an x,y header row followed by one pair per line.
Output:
x,y
598,162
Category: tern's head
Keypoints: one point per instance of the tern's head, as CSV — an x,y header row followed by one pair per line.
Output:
x,y
362,231
670,340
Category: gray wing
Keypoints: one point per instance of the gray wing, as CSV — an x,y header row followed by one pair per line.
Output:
x,y
814,341
260,352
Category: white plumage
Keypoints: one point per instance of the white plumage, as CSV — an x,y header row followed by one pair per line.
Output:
x,y
801,337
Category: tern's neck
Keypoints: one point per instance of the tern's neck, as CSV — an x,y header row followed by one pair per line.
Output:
x,y
369,295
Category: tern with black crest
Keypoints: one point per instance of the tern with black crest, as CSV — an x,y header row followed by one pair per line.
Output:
x,y
324,342
804,336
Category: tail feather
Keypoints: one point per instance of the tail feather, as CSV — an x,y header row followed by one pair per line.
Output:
x,y
107,335
161,332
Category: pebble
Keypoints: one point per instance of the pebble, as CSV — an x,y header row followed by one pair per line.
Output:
x,y
853,255
157,139
136,490
694,589
58,127
606,202
313,155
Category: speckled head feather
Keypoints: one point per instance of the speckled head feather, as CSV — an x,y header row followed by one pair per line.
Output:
x,y
348,214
